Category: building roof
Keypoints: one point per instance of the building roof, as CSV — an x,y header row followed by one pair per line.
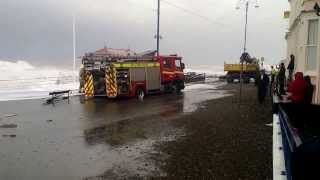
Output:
x,y
308,5
114,52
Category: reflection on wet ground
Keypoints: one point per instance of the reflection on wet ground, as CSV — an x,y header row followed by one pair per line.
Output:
x,y
99,138
114,134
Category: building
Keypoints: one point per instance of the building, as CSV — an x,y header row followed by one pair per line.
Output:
x,y
114,52
303,40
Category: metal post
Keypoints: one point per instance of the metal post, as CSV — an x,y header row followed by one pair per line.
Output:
x,y
74,47
244,50
158,28
245,31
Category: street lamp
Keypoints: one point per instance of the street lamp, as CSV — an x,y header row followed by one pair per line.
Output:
x,y
74,46
244,55
158,28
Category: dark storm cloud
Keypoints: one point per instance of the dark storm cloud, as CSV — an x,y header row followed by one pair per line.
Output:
x,y
40,31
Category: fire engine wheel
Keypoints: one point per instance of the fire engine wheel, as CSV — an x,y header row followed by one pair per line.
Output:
x,y
140,94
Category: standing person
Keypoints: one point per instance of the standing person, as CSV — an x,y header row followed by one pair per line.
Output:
x,y
263,83
273,76
291,67
297,88
309,90
256,80
281,78
81,78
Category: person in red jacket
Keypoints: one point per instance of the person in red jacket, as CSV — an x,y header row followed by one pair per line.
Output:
x,y
297,88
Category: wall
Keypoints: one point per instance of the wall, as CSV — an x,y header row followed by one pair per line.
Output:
x,y
297,40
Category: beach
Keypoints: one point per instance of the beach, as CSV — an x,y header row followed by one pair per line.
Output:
x,y
225,140
203,132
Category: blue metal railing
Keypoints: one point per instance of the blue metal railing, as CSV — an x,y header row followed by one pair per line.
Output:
x,y
300,132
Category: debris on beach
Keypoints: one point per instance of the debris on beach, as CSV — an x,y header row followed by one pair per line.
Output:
x,y
8,126
9,135
194,77
10,115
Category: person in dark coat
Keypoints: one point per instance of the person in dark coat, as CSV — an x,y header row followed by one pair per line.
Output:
x,y
263,83
281,79
309,90
256,79
291,67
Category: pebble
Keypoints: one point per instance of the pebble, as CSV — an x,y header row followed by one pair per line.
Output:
x,y
9,135
8,126
10,115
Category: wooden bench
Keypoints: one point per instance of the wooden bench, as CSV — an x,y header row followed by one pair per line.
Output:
x,y
55,94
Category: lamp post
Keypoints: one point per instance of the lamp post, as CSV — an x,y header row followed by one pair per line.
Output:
x,y
244,54
74,46
158,28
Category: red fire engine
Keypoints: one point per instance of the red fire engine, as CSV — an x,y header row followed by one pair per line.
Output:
x,y
132,77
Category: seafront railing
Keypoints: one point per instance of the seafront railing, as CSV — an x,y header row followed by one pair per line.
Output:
x,y
299,142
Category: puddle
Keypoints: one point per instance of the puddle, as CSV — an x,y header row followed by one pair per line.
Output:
x,y
195,94
114,134
111,139
139,159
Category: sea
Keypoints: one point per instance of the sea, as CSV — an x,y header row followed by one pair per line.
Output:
x,y
21,80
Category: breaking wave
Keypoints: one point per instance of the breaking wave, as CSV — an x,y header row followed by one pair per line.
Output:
x,y
209,70
21,80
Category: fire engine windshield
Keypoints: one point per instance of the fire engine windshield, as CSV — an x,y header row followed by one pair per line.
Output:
x,y
178,63
167,64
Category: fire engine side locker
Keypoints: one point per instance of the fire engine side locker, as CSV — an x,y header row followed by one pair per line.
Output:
x,y
153,79
148,77
142,74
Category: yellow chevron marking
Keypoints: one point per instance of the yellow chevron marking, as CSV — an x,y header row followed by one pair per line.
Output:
x,y
113,90
111,82
88,86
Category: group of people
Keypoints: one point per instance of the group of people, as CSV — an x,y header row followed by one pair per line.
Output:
x,y
299,89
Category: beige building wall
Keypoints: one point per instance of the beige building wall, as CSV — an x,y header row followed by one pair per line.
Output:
x,y
301,13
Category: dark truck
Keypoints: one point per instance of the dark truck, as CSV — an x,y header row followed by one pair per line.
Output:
x,y
300,131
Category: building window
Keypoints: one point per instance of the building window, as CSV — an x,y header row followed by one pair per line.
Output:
x,y
312,45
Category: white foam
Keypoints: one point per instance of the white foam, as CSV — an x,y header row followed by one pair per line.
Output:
x,y
209,70
21,80
199,86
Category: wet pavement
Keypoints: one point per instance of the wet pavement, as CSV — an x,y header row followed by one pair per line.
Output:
x,y
98,138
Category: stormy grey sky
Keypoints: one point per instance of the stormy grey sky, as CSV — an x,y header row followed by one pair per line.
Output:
x,y
40,31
